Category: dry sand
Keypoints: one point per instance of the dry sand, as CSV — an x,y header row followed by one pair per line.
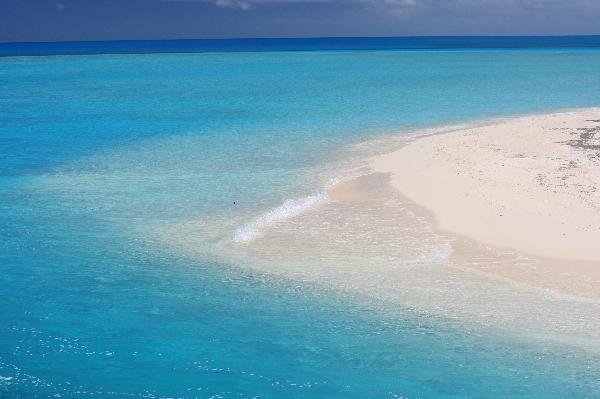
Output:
x,y
531,184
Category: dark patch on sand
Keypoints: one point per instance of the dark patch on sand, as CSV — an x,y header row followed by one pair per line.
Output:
x,y
588,138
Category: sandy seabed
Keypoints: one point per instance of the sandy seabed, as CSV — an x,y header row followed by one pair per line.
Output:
x,y
494,224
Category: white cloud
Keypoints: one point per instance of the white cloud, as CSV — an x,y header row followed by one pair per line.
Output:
x,y
244,5
400,3
249,4
405,5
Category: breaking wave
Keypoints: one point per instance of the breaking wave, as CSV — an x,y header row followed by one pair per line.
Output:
x,y
289,209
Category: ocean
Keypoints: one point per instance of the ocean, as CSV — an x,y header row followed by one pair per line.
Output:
x,y
165,230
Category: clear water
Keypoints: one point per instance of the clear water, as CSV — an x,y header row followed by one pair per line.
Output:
x,y
97,151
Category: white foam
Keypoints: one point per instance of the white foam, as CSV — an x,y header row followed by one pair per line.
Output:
x,y
289,209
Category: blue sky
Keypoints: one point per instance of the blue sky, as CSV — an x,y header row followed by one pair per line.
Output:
x,y
49,20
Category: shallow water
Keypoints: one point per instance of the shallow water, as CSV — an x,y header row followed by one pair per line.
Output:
x,y
124,179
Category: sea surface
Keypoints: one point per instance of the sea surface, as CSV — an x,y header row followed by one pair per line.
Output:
x,y
144,197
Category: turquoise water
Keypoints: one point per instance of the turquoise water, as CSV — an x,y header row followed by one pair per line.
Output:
x,y
97,150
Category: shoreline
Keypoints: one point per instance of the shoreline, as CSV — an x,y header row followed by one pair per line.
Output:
x,y
425,162
369,240
528,184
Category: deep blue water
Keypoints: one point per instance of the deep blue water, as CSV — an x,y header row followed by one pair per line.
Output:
x,y
96,148
297,44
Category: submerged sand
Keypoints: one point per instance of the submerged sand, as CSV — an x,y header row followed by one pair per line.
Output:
x,y
379,237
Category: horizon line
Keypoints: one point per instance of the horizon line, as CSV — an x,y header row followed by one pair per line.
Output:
x,y
296,44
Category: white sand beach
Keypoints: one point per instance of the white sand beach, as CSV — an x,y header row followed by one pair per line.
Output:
x,y
531,184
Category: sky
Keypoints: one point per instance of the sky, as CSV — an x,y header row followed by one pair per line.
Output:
x,y
64,20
